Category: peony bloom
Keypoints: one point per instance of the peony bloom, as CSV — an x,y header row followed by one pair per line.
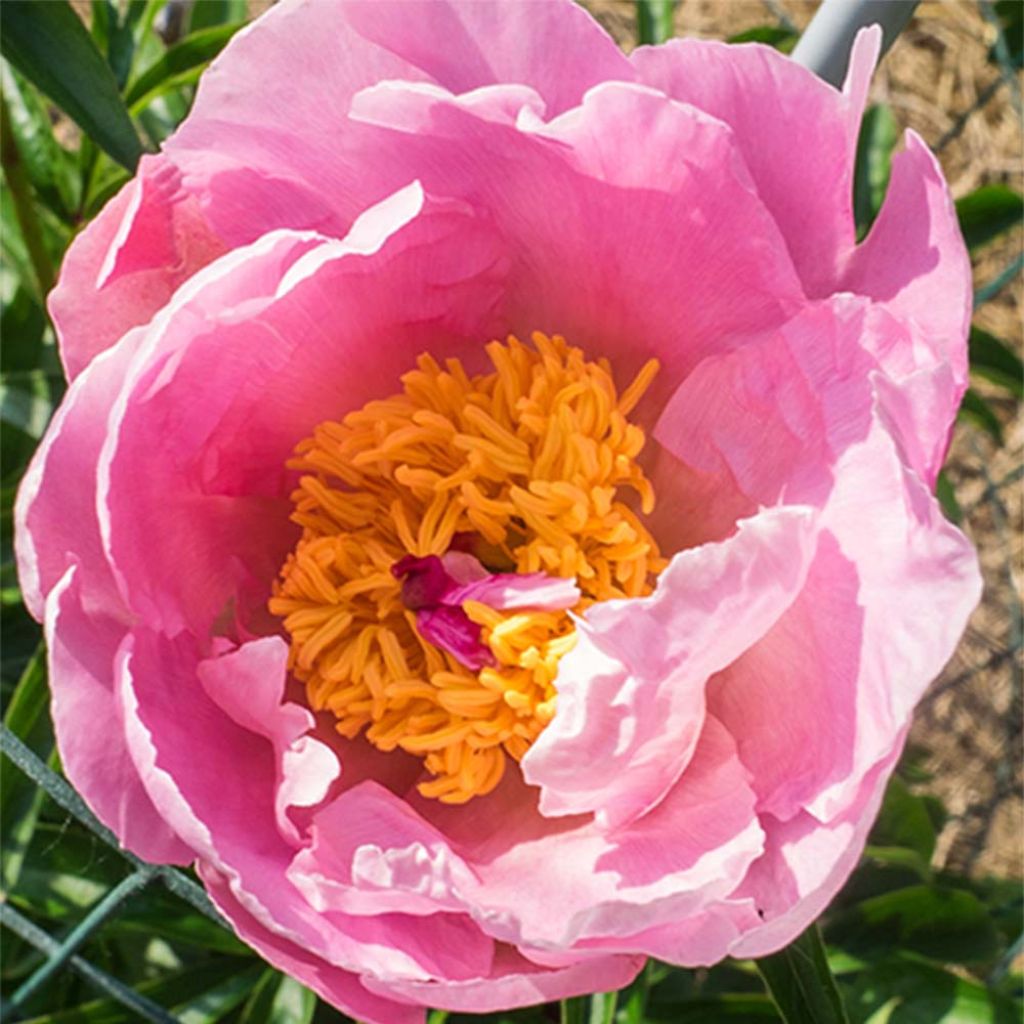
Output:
x,y
490,528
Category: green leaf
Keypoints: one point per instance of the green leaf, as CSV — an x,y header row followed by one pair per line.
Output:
x,y
936,921
800,983
878,136
208,13
777,36
50,46
743,1008
987,212
975,409
904,822
996,362
910,992
181,64
655,21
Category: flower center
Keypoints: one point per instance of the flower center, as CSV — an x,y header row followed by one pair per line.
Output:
x,y
448,532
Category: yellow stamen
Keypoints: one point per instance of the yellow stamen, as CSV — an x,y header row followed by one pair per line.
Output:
x,y
531,460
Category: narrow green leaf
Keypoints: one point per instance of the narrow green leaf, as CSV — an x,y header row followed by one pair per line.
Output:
x,y
975,409
800,983
26,403
20,798
655,21
51,47
996,362
18,199
987,212
50,167
778,36
182,62
217,1002
878,136
278,999
209,13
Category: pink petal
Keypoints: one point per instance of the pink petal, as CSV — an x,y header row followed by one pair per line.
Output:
x,y
591,258
127,262
215,781
797,134
248,358
248,685
55,516
557,48
240,167
631,693
82,646
340,988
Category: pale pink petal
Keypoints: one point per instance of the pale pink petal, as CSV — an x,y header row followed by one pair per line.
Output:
x,y
631,693
371,853
701,939
693,848
340,988
802,415
918,583
82,646
506,591
797,134
515,981
914,259
248,358
806,862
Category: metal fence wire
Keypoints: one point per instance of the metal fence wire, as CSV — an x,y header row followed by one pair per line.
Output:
x,y
988,649
59,954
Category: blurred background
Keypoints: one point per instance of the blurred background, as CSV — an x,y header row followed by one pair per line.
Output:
x,y
928,930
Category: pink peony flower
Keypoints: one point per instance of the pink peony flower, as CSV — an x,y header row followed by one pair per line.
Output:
x,y
470,674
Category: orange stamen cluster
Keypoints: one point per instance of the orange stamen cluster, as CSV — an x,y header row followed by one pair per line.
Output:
x,y
529,460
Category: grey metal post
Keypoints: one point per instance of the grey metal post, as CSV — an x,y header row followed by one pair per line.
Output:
x,y
825,47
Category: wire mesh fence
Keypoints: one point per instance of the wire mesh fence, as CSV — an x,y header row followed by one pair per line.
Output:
x,y
969,726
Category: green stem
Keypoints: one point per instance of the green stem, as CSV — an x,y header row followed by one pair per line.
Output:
x,y
24,208
603,1006
574,1011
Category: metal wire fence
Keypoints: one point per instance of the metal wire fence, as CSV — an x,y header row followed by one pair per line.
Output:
x,y
63,953
1000,653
